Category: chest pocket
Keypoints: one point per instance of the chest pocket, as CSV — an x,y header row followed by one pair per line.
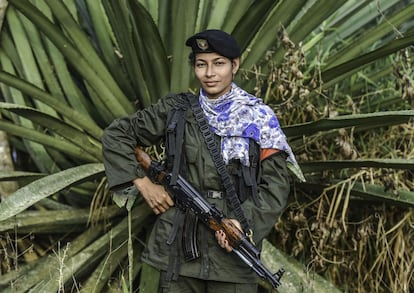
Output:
x,y
201,168
193,165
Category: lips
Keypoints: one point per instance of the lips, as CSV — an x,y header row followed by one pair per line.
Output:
x,y
211,83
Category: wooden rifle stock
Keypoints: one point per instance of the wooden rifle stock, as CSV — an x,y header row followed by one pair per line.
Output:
x,y
187,197
143,159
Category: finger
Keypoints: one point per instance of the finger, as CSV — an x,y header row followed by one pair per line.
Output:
x,y
154,206
156,210
221,238
227,246
149,200
169,200
149,203
164,202
223,242
162,208
218,237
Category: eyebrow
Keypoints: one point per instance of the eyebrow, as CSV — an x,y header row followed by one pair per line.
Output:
x,y
204,60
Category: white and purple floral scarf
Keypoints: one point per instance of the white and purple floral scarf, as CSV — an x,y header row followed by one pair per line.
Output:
x,y
238,116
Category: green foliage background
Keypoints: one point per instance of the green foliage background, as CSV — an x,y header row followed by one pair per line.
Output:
x,y
338,74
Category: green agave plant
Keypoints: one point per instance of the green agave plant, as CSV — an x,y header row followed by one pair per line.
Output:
x,y
68,68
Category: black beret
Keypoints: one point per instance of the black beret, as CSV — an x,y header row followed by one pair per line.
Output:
x,y
217,41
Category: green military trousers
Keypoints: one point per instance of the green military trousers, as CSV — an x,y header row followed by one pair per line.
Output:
x,y
193,285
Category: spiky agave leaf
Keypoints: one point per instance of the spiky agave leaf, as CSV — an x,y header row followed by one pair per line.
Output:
x,y
47,186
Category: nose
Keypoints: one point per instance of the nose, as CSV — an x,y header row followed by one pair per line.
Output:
x,y
209,70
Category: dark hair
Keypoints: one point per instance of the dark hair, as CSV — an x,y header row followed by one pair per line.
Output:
x,y
192,58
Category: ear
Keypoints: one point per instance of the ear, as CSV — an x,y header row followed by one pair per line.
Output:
x,y
235,65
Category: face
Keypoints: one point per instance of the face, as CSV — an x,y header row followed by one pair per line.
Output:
x,y
215,73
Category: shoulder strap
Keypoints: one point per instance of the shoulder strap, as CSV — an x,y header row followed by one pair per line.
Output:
x,y
208,136
174,138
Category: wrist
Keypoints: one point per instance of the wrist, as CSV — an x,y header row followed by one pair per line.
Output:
x,y
140,182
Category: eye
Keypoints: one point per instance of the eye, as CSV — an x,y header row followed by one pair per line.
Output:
x,y
200,65
219,63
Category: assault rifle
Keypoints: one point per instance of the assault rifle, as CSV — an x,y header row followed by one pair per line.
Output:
x,y
187,197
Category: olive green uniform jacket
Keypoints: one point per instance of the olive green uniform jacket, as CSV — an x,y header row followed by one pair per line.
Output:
x,y
147,127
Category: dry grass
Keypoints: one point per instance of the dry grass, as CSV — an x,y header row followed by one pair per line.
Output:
x,y
362,248
360,245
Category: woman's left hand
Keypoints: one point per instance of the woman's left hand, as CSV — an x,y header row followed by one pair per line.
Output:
x,y
221,237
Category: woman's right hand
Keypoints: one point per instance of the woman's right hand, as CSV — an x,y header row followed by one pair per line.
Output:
x,y
155,195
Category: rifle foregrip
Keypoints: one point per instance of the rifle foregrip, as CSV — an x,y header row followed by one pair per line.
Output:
x,y
233,234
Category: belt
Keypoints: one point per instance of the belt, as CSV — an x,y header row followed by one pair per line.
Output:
x,y
214,194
